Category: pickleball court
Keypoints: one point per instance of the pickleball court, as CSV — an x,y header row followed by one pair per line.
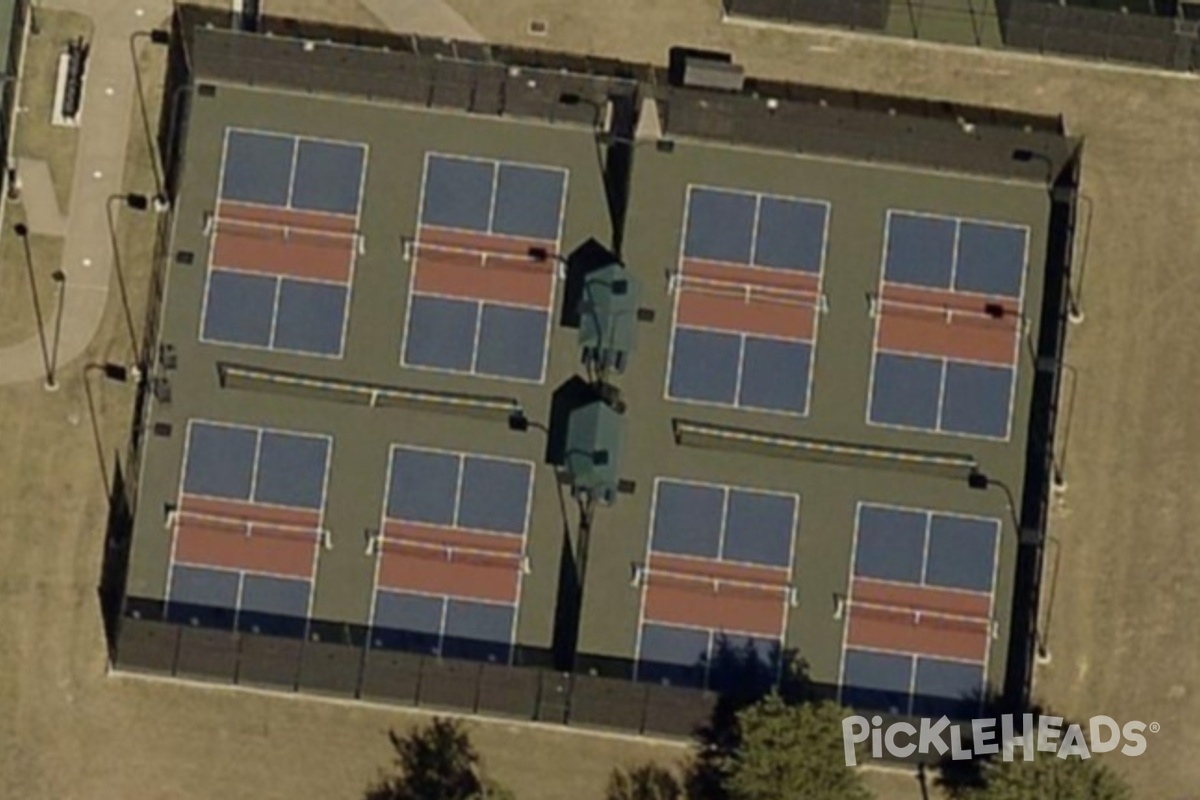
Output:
x,y
285,237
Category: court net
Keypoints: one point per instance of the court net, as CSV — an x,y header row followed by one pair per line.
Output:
x,y
525,263
990,315
284,234
924,618
448,553
234,526
712,585
749,292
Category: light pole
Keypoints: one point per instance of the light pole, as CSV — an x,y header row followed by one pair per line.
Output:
x,y
158,37
60,286
980,481
22,231
1059,463
135,202
1074,297
117,374
1075,293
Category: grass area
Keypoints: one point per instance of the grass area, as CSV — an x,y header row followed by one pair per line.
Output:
x,y
136,230
18,319
36,137
342,12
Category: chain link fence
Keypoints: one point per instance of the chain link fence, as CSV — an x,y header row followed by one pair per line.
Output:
x,y
338,660
1153,33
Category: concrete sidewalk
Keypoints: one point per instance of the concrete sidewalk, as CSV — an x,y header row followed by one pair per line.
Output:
x,y
87,261
424,17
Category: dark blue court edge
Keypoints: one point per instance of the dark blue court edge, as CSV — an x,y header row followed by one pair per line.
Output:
x,y
334,658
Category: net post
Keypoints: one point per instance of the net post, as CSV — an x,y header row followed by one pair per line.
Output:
x,y
526,566
406,248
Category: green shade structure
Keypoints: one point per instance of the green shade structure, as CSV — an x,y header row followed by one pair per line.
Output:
x,y
608,309
593,454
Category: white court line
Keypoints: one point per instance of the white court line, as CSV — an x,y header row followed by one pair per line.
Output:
x,y
754,228
458,484
912,684
741,369
724,523
445,598
816,330
868,411
258,437
954,254
727,491
687,207
475,338
926,536
274,313
846,601
292,171
943,374
412,264
908,654
491,220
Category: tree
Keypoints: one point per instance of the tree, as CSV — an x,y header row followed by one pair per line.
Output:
x,y
437,762
789,751
1047,777
644,782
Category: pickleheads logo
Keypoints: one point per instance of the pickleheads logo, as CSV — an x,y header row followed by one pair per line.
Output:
x,y
988,737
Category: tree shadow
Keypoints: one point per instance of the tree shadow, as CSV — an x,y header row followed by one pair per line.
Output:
x,y
959,778
435,760
648,781
743,674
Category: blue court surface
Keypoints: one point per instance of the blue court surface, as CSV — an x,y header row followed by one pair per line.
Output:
x,y
275,313
956,254
230,599
723,522
256,464
445,626
495,197
707,659
476,337
756,229
942,395
739,370
924,547
288,171
459,490
909,684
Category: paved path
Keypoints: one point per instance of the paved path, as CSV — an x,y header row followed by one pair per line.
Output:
x,y
425,17
99,167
